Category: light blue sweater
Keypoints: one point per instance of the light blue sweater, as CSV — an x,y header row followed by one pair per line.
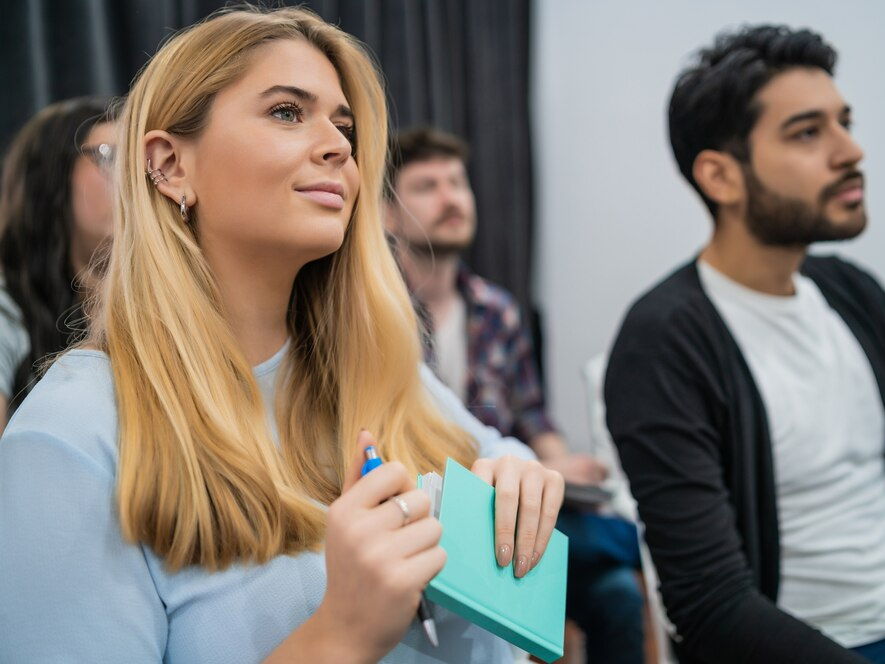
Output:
x,y
72,590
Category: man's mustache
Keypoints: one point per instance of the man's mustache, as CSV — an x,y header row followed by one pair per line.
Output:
x,y
450,213
855,177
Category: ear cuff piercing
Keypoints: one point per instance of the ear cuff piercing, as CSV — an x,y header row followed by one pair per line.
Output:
x,y
156,175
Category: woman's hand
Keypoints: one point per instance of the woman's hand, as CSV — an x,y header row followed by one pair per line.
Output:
x,y
527,501
378,559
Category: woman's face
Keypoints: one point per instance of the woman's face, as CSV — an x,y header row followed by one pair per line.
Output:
x,y
91,190
273,171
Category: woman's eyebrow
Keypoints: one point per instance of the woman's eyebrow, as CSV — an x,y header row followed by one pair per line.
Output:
x,y
300,93
305,96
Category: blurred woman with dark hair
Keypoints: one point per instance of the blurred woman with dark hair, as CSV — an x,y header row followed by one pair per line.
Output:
x,y
55,211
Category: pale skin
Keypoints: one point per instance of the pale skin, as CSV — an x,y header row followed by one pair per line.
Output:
x,y
434,205
800,144
273,182
91,200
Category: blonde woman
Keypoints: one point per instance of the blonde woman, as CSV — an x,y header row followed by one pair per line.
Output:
x,y
185,488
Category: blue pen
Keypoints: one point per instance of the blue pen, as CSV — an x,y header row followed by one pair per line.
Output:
x,y
424,616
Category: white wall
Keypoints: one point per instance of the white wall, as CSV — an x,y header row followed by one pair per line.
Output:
x,y
613,214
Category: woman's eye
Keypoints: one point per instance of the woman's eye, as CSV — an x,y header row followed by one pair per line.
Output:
x,y
286,112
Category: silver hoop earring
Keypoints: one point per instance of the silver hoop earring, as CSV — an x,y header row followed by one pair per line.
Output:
x,y
183,208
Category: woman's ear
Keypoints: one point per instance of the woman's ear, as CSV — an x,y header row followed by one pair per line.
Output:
x,y
720,177
165,167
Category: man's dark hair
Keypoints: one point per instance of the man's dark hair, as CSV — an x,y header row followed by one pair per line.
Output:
x,y
421,144
713,105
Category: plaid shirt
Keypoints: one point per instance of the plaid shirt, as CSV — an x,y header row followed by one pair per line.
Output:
x,y
503,385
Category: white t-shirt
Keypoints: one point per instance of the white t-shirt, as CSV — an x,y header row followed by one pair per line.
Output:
x,y
450,346
827,429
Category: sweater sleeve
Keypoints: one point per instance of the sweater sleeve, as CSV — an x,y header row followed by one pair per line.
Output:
x,y
490,441
76,591
662,410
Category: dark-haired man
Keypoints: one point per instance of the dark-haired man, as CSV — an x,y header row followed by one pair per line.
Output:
x,y
480,346
746,391
482,350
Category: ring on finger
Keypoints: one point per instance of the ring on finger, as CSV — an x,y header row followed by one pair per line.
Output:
x,y
404,508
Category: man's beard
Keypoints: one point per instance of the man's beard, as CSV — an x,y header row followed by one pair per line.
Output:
x,y
779,221
443,248
438,249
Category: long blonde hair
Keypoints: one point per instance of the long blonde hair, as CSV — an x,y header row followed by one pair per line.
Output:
x,y
200,478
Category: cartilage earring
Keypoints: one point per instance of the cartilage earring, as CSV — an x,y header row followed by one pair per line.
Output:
x,y
156,175
183,208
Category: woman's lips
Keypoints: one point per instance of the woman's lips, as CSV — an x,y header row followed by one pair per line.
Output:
x,y
325,198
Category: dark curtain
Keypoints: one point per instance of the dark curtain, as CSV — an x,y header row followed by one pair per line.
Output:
x,y
461,65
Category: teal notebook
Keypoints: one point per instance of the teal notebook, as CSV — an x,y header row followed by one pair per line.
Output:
x,y
528,612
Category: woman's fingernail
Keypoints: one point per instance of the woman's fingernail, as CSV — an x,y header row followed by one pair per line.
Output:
x,y
535,557
503,555
521,568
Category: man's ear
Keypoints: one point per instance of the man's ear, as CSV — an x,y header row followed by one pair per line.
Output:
x,y
163,152
720,177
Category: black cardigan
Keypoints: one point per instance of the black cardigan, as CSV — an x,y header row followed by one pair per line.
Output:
x,y
693,437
